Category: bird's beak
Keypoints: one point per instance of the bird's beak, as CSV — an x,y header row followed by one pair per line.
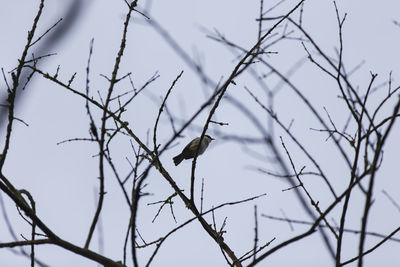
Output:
x,y
212,138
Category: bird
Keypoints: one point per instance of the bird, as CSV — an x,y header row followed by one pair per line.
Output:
x,y
190,149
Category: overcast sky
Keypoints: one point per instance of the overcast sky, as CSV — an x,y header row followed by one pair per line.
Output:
x,y
63,178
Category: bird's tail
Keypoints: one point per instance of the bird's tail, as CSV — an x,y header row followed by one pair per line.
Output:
x,y
178,159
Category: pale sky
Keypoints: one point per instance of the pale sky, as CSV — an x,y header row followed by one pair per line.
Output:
x,y
63,178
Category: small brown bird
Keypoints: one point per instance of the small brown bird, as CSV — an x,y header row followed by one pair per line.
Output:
x,y
190,149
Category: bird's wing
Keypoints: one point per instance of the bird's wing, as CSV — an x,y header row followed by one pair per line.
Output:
x,y
191,146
